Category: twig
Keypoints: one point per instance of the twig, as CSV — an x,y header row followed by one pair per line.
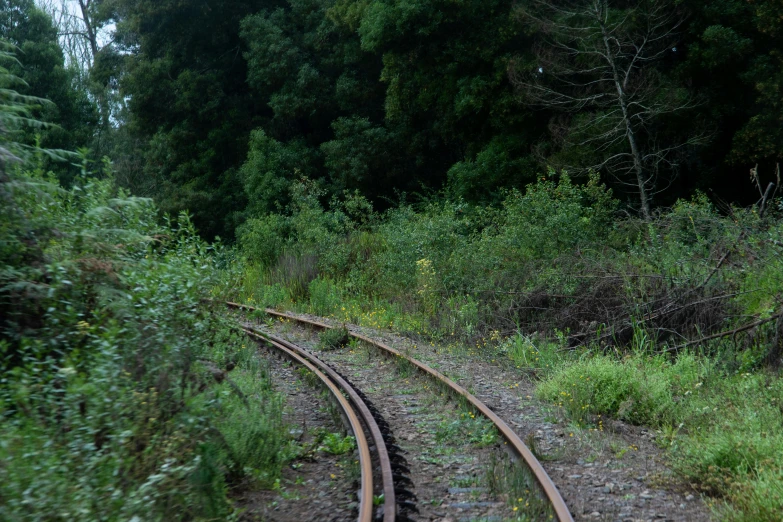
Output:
x,y
726,333
663,313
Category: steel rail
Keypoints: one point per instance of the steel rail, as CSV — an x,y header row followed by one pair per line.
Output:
x,y
519,447
387,478
365,461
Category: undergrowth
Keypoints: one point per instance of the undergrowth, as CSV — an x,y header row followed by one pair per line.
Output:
x,y
722,427
123,395
674,323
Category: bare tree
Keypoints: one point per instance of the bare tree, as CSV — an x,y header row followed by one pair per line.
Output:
x,y
595,64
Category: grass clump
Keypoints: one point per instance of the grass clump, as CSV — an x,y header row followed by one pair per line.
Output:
x,y
733,432
640,390
334,338
468,427
723,428
526,352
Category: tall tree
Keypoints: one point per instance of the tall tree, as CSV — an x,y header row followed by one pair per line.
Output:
x,y
444,67
761,138
326,102
596,63
189,103
727,57
86,35
41,67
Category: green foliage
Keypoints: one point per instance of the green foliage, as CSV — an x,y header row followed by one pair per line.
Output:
x,y
336,444
17,113
732,58
188,100
111,360
325,296
529,353
253,433
468,427
501,163
725,425
640,391
42,75
269,170
443,254
551,218
391,96
360,154
262,239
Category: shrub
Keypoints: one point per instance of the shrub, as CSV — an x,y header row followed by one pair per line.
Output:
x,y
262,239
325,296
110,360
640,390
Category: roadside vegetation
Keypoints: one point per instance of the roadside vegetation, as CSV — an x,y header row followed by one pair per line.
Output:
x,y
123,395
673,323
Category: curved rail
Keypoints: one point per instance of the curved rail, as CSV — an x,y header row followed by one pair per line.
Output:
x,y
335,382
519,447
387,480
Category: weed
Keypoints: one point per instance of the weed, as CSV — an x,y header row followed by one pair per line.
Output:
x,y
308,377
527,353
405,368
336,444
334,338
467,428
325,296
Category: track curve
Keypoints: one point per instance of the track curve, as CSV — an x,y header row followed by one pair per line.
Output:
x,y
337,385
550,490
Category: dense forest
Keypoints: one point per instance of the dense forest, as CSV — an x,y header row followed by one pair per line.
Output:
x,y
585,192
217,107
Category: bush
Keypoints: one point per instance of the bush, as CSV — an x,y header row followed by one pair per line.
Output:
x,y
640,390
110,362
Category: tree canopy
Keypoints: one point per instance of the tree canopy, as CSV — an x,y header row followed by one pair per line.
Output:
x,y
219,107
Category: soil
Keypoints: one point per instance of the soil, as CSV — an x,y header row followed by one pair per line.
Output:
x,y
617,473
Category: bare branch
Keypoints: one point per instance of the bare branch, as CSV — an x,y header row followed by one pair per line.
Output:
x,y
597,62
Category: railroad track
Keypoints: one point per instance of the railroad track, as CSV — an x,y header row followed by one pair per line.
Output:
x,y
363,421
519,449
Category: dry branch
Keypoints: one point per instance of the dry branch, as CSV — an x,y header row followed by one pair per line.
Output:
x,y
727,333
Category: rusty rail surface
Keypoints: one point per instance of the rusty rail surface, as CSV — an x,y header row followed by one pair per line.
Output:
x,y
356,419
519,447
